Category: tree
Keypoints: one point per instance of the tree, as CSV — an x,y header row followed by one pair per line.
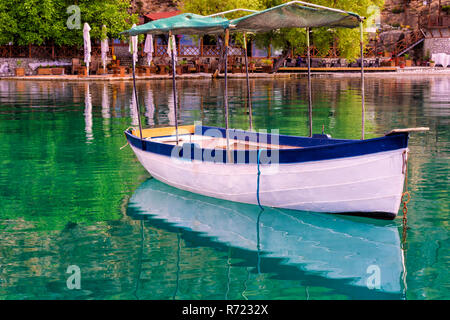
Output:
x,y
45,21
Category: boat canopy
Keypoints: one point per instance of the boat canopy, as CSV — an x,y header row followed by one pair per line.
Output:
x,y
295,14
186,23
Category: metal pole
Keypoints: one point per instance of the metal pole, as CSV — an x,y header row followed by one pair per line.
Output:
x,y
137,101
362,79
249,100
309,83
227,36
174,83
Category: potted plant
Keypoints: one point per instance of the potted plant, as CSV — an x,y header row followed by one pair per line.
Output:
x,y
82,71
163,69
408,61
237,68
432,63
57,70
20,72
179,67
44,71
251,65
267,65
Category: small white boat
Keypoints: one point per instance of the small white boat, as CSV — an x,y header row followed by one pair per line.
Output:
x,y
329,251
310,174
313,173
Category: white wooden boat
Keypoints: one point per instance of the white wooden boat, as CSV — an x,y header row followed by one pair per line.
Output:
x,y
330,251
312,174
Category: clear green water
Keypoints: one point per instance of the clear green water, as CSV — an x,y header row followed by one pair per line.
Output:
x,y
70,196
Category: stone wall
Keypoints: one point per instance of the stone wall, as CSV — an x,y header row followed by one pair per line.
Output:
x,y
407,12
147,6
436,45
8,65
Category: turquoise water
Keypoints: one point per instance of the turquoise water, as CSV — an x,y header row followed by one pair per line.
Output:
x,y
69,195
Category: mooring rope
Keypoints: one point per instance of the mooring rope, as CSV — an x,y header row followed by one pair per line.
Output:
x,y
257,184
405,200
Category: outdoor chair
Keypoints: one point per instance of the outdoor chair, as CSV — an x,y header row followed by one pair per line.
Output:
x,y
93,67
336,63
75,65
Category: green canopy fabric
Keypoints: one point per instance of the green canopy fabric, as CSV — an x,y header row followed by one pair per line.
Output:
x,y
186,23
295,14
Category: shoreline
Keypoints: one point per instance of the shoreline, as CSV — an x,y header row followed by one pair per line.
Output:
x,y
412,71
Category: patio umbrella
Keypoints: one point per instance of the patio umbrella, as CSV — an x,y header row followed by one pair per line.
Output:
x,y
148,48
172,46
134,46
87,45
105,47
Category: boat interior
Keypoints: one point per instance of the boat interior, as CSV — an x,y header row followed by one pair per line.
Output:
x,y
187,134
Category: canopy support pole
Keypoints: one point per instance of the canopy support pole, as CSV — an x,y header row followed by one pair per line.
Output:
x,y
309,82
174,84
136,96
227,37
362,80
249,100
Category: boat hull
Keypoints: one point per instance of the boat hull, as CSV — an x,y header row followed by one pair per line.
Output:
x,y
369,185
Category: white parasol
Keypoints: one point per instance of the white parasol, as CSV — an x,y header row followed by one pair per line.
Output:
x,y
172,45
105,47
87,45
134,46
148,48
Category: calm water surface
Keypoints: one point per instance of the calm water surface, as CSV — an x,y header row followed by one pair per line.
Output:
x,y
69,195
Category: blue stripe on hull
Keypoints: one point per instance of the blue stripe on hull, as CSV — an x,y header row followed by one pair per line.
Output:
x,y
310,149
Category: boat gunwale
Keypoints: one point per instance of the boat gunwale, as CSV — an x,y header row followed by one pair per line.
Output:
x,y
345,147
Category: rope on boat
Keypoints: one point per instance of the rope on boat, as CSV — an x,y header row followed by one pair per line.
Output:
x,y
406,197
124,145
257,184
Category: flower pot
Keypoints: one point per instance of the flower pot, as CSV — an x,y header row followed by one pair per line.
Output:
x,y
82,71
20,72
179,69
267,68
432,64
408,63
44,71
57,71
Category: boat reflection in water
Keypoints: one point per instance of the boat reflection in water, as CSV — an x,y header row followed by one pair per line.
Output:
x,y
339,252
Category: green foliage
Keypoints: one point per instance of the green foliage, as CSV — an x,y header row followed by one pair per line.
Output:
x,y
347,40
207,7
397,10
44,21
446,9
